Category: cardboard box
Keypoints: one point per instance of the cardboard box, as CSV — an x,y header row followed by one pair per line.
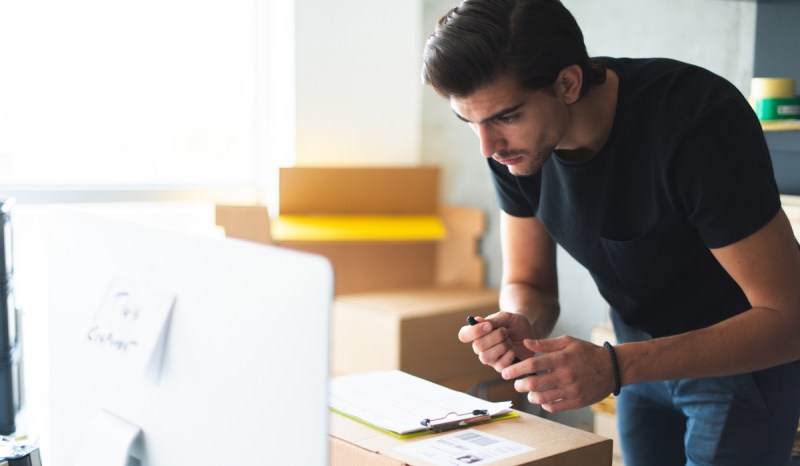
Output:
x,y
247,222
355,444
362,264
413,330
367,265
458,261
359,190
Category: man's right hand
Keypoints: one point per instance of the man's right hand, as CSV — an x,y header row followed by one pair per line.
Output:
x,y
497,339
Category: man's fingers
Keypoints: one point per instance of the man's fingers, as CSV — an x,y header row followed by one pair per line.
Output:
x,y
470,333
546,345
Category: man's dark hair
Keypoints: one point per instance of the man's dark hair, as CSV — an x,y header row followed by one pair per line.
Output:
x,y
530,40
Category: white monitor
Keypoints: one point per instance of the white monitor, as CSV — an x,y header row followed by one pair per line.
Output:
x,y
245,368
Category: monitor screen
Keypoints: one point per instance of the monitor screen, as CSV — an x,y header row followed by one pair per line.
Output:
x,y
239,369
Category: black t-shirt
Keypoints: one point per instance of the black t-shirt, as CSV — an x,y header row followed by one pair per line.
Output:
x,y
686,168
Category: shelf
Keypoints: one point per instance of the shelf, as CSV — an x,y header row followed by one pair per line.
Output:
x,y
781,125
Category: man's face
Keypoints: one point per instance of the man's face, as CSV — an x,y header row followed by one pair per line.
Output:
x,y
518,128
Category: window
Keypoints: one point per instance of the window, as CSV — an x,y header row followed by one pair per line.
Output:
x,y
153,100
147,94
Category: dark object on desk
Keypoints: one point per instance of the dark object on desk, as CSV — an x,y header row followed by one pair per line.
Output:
x,y
10,367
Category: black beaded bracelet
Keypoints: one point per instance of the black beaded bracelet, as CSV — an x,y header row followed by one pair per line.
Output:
x,y
615,363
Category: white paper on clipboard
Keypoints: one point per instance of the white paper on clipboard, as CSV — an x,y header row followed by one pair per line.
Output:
x,y
398,402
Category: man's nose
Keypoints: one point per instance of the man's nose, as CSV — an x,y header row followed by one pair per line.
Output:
x,y
491,140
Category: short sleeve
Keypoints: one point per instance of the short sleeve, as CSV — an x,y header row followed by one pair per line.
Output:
x,y
724,176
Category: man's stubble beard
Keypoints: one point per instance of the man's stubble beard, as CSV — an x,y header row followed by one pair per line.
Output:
x,y
533,165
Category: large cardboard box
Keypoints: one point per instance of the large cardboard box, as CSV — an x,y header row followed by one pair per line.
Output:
x,y
358,193
359,190
413,330
355,444
444,256
375,266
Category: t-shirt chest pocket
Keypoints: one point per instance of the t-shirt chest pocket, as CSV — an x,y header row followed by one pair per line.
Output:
x,y
642,262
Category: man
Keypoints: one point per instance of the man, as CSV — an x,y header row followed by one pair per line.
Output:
x,y
653,174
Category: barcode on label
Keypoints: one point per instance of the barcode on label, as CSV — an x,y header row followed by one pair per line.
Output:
x,y
476,438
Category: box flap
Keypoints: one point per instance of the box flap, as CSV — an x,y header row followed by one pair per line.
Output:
x,y
247,222
458,258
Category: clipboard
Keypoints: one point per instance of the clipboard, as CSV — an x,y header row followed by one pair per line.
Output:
x,y
406,406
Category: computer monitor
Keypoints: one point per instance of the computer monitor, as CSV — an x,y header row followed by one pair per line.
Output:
x,y
244,375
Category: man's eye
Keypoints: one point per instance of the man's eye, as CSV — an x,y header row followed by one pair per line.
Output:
x,y
507,119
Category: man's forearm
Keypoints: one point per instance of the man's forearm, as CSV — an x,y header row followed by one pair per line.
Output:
x,y
750,341
540,307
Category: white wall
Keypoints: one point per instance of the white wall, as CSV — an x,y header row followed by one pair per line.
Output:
x,y
717,34
358,86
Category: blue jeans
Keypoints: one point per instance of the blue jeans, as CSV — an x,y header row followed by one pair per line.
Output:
x,y
747,419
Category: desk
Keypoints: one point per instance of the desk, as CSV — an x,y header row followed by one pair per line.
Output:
x,y
355,444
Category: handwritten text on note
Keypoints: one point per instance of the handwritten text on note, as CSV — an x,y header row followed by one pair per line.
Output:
x,y
128,333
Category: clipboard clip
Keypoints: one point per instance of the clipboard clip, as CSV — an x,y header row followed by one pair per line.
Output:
x,y
453,420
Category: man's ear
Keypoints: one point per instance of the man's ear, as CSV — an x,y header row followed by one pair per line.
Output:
x,y
569,83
